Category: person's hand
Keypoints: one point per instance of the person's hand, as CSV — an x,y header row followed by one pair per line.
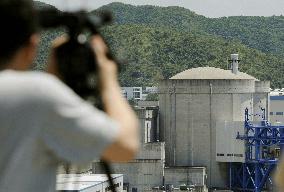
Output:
x,y
107,67
52,65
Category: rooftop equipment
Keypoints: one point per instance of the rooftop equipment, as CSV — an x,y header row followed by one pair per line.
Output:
x,y
234,63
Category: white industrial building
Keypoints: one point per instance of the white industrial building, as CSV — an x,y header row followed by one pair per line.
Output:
x,y
277,109
134,93
277,92
87,182
138,93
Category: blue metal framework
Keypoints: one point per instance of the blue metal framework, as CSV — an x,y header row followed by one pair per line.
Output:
x,y
261,142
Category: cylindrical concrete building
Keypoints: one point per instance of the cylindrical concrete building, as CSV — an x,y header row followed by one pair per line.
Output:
x,y
193,103
261,100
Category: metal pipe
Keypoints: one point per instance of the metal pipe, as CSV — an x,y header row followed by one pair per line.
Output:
x,y
175,123
211,134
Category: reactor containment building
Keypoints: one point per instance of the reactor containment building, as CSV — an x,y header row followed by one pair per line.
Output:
x,y
201,114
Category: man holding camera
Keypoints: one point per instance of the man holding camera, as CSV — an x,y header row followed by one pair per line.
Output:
x,y
42,121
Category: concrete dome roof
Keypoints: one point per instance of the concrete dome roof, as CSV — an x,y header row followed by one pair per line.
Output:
x,y
211,73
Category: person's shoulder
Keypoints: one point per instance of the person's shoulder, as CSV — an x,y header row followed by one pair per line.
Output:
x,y
41,78
28,78
38,84
51,89
47,84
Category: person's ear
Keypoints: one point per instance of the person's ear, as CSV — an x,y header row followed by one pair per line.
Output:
x,y
25,56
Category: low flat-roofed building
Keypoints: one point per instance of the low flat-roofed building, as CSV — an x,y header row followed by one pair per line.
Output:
x,y
87,182
134,93
144,172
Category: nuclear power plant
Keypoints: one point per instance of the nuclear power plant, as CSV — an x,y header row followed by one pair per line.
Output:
x,y
198,133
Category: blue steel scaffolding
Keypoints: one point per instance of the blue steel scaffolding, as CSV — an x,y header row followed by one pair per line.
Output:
x,y
263,144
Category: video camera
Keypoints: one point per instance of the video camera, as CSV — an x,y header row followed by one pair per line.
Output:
x,y
75,58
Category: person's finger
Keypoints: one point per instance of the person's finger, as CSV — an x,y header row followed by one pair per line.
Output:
x,y
99,46
59,41
52,65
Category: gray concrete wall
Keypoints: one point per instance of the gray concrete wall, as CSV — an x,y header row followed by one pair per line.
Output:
x,y
148,123
261,100
203,86
185,175
228,148
141,113
67,168
148,103
152,151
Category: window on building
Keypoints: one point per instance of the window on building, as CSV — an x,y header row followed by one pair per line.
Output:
x,y
279,113
271,113
147,131
136,95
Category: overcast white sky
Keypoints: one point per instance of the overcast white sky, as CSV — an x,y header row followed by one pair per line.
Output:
x,y
209,8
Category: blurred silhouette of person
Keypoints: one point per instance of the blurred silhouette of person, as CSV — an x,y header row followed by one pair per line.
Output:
x,y
42,121
279,176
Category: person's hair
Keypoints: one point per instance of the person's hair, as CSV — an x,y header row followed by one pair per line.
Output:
x,y
18,23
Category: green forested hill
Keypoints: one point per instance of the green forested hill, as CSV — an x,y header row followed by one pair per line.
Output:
x,y
160,42
154,53
174,17
46,39
263,33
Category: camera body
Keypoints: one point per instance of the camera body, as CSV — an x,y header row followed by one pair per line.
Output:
x,y
76,61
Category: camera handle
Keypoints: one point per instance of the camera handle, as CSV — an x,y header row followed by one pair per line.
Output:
x,y
107,168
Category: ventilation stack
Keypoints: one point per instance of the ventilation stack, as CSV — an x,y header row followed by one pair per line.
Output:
x,y
234,63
